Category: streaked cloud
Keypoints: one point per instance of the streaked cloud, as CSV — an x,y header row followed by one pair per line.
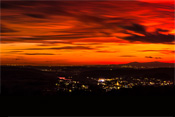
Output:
x,y
127,56
71,28
153,57
38,54
106,51
160,51
61,48
87,23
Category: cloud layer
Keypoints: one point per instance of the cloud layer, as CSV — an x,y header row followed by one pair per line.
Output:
x,y
87,21
87,32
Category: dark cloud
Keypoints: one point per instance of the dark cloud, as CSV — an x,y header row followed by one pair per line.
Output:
x,y
90,19
17,59
151,38
16,51
136,28
17,4
149,50
54,43
162,30
38,54
161,51
86,43
158,58
61,48
42,39
34,49
5,29
155,37
60,37
127,56
106,51
153,57
5,5
172,51
148,57
35,15
73,48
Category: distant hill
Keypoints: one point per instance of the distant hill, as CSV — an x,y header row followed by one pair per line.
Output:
x,y
149,64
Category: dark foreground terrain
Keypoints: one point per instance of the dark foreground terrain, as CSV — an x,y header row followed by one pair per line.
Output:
x,y
29,81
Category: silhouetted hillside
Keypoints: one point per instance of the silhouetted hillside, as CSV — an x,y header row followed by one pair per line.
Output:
x,y
25,81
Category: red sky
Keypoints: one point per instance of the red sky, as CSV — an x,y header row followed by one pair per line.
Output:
x,y
87,32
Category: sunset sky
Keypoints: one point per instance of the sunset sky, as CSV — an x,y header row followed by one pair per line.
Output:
x,y
87,32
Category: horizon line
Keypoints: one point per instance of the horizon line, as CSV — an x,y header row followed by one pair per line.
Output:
x,y
82,64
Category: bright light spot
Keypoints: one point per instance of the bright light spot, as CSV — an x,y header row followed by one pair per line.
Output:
x,y
101,80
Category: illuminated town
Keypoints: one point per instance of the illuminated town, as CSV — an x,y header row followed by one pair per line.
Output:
x,y
107,84
71,79
70,85
87,80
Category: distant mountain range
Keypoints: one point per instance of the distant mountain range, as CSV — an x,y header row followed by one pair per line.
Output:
x,y
148,64
155,64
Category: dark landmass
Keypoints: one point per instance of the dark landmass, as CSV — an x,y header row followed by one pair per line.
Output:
x,y
25,81
155,64
32,81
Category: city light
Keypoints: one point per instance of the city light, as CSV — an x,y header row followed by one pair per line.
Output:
x,y
101,80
